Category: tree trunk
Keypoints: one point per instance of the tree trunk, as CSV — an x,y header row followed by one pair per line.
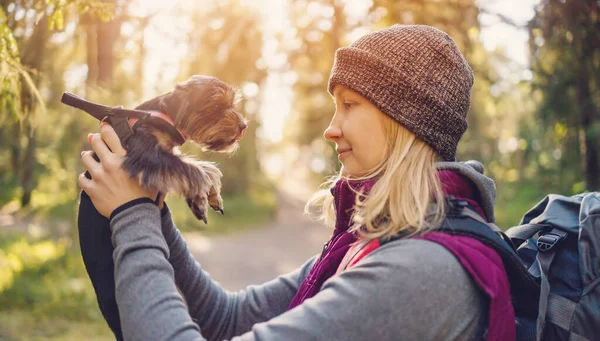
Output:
x,y
28,180
139,68
587,43
15,150
101,38
107,34
91,30
588,116
107,37
32,58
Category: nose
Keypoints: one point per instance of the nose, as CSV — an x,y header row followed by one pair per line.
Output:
x,y
242,133
333,131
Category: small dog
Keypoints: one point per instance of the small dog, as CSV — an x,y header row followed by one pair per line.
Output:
x,y
201,110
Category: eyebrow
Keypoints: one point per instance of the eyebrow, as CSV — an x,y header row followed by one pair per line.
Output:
x,y
340,92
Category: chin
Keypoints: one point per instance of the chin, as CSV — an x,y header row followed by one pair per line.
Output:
x,y
348,172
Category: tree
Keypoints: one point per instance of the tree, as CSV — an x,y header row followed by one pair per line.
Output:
x,y
565,46
25,32
228,47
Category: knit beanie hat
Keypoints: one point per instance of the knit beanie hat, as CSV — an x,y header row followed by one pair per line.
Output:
x,y
416,75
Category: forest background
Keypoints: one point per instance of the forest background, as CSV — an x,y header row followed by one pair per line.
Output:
x,y
534,119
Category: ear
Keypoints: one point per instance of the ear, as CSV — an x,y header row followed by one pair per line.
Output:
x,y
174,105
153,104
165,104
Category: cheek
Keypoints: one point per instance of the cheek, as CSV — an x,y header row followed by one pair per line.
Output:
x,y
373,144
372,153
368,147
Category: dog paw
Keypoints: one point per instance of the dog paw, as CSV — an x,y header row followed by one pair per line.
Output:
x,y
214,195
215,201
198,206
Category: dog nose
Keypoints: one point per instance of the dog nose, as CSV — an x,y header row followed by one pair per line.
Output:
x,y
242,134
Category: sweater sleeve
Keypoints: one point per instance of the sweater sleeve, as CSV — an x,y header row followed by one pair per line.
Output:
x,y
219,313
149,305
405,290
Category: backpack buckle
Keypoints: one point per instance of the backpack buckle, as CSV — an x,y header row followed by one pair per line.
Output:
x,y
549,240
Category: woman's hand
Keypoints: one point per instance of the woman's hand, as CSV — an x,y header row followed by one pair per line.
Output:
x,y
110,186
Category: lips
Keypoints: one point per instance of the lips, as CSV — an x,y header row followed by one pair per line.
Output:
x,y
342,153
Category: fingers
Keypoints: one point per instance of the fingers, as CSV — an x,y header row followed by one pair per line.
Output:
x,y
99,147
90,164
106,143
111,139
85,183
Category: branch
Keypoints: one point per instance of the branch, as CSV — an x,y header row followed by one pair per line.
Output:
x,y
503,19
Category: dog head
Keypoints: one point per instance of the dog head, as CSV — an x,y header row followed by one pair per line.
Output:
x,y
203,107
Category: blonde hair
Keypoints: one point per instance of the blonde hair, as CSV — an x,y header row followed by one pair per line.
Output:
x,y
400,201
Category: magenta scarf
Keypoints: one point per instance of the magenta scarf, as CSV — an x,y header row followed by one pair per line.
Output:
x,y
335,249
482,263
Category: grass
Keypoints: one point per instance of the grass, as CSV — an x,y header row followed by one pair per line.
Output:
x,y
242,212
45,293
21,325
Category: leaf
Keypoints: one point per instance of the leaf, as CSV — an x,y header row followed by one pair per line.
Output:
x,y
56,20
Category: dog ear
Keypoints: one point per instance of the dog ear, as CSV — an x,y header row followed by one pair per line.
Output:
x,y
166,104
174,104
153,104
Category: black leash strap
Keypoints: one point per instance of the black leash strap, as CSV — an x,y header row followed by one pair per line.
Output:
x,y
116,116
119,117
121,126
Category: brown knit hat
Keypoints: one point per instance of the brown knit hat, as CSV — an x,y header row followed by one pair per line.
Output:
x,y
416,75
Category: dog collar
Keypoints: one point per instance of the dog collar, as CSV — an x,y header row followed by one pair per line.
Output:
x,y
163,121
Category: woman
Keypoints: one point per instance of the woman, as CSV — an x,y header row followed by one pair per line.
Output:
x,y
402,96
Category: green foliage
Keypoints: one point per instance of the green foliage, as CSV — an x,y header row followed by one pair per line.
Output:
x,y
514,200
44,277
20,325
319,33
565,45
20,255
242,211
12,72
44,281
102,9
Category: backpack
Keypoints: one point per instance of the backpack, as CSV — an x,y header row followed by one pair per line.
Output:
x,y
552,260
558,241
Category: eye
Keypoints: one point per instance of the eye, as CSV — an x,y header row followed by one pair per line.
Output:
x,y
349,105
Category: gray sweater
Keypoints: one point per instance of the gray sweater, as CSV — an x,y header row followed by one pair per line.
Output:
x,y
404,290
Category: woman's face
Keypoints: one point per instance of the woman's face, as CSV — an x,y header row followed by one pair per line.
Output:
x,y
358,133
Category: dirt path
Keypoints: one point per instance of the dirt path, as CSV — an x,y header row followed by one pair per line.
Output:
x,y
258,255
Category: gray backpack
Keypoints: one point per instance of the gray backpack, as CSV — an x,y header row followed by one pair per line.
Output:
x,y
558,241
